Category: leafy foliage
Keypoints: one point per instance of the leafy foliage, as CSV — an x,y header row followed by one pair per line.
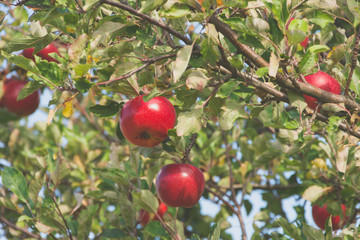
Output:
x,y
232,70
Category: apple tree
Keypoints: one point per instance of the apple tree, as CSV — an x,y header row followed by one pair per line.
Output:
x,y
261,96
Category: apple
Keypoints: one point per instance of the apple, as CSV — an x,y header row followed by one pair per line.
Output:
x,y
320,215
146,124
180,185
144,216
305,42
324,81
23,107
43,53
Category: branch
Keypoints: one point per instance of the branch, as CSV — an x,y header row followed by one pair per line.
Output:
x,y
188,149
231,179
263,187
23,230
149,19
353,63
129,74
257,60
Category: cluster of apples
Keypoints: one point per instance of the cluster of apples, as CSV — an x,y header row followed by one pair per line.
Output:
x,y
13,86
146,124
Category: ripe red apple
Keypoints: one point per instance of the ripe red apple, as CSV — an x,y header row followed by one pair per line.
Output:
x,y
146,124
180,185
320,215
305,42
23,107
144,216
324,81
43,53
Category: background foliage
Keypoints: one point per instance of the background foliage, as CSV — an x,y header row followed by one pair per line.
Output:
x,y
231,70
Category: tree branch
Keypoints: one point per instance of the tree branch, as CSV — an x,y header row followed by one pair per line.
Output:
x,y
149,19
304,87
23,230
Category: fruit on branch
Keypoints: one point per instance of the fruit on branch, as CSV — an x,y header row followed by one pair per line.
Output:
x,y
25,106
144,216
305,42
320,215
180,185
43,53
146,124
325,82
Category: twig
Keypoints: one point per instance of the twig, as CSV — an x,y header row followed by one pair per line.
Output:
x,y
129,74
23,230
353,63
188,149
231,179
149,19
61,215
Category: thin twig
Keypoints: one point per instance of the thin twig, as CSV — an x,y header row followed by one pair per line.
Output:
x,y
23,230
186,158
231,179
353,63
61,215
148,19
129,74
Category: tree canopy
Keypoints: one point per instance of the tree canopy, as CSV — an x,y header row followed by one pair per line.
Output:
x,y
236,72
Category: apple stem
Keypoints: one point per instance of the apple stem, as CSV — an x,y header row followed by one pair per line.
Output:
x,y
186,158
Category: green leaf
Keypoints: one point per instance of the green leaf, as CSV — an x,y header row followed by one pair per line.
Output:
x,y
297,100
289,229
106,111
83,84
155,229
215,231
181,62
82,69
85,219
231,111
195,237
312,233
37,43
176,11
113,233
149,5
35,187
318,48
14,180
2,16
145,199
189,122
29,88
21,62
307,62
322,19
50,70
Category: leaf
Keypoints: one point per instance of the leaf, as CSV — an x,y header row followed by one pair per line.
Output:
x,y
145,199
231,111
50,70
84,220
181,62
312,233
314,192
113,233
215,231
2,17
197,79
297,100
257,24
289,229
274,65
106,111
195,237
35,187
318,48
38,43
29,88
155,229
322,19
149,5
307,62
77,47
189,122
68,107
14,180
21,62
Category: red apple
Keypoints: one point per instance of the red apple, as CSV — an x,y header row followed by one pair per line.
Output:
x,y
324,81
305,42
146,124
43,53
320,215
23,107
144,216
180,185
